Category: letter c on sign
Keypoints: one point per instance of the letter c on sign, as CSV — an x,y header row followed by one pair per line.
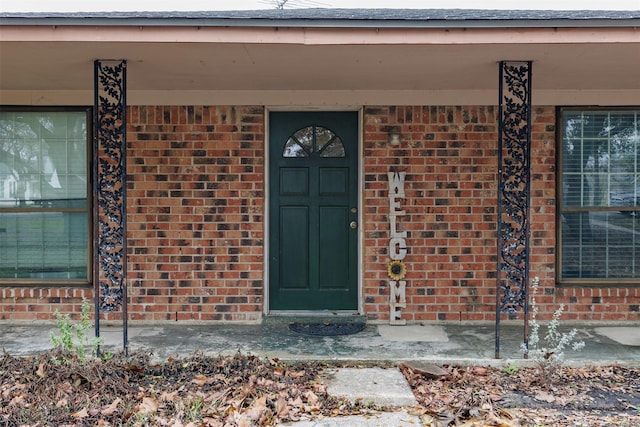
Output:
x,y
397,248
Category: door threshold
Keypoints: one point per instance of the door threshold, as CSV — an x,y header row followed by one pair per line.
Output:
x,y
338,316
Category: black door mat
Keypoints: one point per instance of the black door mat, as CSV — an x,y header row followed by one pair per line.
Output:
x,y
326,329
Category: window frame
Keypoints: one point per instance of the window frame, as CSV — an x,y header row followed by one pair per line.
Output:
x,y
89,210
560,210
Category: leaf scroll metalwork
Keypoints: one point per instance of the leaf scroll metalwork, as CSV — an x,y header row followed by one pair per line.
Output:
x,y
514,182
110,181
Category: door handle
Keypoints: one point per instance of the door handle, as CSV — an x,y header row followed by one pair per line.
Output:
x,y
353,224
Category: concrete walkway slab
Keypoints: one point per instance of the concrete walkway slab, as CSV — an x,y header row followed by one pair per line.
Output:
x,y
621,334
386,387
413,333
385,419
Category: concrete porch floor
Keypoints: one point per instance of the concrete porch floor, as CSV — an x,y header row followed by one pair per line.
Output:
x,y
446,343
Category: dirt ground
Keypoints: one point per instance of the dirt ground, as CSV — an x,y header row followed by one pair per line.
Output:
x,y
58,389
534,396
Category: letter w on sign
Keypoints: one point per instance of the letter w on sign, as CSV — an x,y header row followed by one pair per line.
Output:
x,y
396,183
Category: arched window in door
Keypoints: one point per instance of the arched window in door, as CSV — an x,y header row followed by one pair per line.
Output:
x,y
314,141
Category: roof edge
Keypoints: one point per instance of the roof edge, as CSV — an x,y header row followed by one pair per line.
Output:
x,y
334,18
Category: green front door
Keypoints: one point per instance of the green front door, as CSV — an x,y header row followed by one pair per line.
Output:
x,y
313,230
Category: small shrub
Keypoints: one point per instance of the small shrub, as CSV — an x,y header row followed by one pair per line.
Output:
x,y
74,337
548,352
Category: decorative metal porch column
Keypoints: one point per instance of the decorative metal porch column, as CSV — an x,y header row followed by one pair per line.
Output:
x,y
514,182
109,196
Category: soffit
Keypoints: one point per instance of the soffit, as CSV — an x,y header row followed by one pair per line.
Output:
x,y
343,59
201,66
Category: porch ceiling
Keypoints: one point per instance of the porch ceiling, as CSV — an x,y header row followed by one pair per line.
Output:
x,y
51,57
65,65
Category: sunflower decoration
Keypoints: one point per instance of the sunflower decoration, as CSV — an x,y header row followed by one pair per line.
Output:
x,y
396,270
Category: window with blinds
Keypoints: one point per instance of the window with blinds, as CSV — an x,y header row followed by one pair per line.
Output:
x,y
599,196
44,195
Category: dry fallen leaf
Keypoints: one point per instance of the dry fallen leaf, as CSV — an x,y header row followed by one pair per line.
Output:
x,y
110,409
202,380
295,374
282,409
64,389
241,420
258,409
311,397
40,372
17,400
480,371
169,397
148,405
83,413
543,396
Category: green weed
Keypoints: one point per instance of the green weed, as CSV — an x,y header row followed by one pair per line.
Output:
x,y
510,369
75,336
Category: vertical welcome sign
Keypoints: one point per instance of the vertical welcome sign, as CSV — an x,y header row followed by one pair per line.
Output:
x,y
397,249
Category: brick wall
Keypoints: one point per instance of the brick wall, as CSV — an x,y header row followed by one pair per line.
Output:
x,y
195,212
449,156
196,218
